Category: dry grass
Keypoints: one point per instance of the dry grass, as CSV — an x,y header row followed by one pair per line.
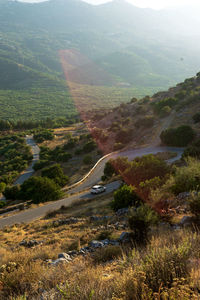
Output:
x,y
168,268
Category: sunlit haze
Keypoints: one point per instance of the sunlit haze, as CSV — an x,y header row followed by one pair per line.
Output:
x,y
156,4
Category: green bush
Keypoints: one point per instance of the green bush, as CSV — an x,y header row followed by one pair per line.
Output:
x,y
2,186
118,146
125,196
12,192
64,157
109,170
40,164
177,137
144,168
43,135
145,122
55,173
196,118
140,220
87,159
194,203
165,265
2,204
186,178
89,146
40,189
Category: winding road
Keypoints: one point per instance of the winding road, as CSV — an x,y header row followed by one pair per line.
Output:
x,y
93,177
29,171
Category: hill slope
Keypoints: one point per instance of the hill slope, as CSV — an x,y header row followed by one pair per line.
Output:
x,y
135,48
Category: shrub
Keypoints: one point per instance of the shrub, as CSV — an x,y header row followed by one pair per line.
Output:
x,y
196,118
194,203
165,111
40,189
71,143
145,122
123,136
178,137
64,157
87,159
118,146
164,265
43,135
12,192
2,186
107,253
109,169
89,146
125,196
2,204
55,173
140,220
186,178
40,164
144,168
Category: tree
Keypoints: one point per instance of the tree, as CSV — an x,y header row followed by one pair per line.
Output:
x,y
40,189
196,118
145,168
89,146
194,203
125,196
109,170
55,173
12,192
178,137
87,159
140,220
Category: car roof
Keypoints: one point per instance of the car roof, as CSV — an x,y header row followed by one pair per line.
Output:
x,y
96,186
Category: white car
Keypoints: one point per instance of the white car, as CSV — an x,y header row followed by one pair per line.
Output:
x,y
97,189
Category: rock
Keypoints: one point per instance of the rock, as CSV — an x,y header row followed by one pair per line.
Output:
x,y
105,242
114,243
59,261
30,244
64,255
122,211
72,253
67,221
183,196
101,218
185,221
124,237
96,244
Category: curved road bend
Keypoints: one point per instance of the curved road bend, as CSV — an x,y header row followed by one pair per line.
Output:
x,y
95,176
32,214
29,171
38,212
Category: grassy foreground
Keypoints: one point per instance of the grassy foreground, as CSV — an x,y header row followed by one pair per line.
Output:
x,y
167,268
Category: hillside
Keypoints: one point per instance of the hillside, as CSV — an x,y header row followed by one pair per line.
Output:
x,y
129,47
139,123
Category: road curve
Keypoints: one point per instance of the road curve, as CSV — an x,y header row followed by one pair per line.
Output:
x,y
38,212
29,171
95,176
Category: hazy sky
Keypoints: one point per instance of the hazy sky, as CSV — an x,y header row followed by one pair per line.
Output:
x,y
157,4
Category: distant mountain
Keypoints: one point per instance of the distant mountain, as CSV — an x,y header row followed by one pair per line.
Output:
x,y
141,48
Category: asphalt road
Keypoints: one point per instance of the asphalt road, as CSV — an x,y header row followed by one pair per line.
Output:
x,y
32,214
95,176
29,171
38,212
